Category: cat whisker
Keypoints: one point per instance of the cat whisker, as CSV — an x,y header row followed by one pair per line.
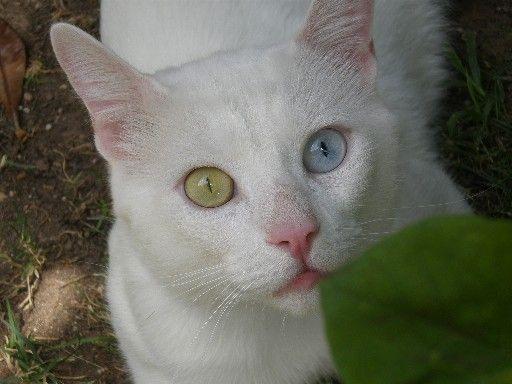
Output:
x,y
223,281
196,271
219,307
377,233
205,323
180,283
433,205
379,219
204,283
229,305
283,323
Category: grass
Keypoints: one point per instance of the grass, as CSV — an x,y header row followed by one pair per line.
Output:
x,y
102,219
33,74
32,361
477,136
26,259
5,162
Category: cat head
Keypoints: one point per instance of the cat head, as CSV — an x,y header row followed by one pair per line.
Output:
x,y
245,176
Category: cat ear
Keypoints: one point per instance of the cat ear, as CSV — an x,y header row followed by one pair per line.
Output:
x,y
120,100
341,30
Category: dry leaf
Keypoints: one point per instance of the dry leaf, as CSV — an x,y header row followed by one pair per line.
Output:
x,y
12,70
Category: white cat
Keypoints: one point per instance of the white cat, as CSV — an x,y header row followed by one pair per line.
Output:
x,y
251,164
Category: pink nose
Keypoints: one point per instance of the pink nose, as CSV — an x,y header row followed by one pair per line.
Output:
x,y
296,239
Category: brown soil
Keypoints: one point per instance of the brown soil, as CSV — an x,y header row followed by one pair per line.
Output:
x,y
54,189
53,193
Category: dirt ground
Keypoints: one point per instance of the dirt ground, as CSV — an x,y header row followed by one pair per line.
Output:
x,y
54,201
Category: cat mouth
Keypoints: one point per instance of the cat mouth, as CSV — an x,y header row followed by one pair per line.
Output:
x,y
304,281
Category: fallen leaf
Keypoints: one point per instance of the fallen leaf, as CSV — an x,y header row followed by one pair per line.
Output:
x,y
12,71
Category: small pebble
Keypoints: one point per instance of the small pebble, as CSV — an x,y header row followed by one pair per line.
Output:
x,y
12,193
63,86
26,109
47,127
27,96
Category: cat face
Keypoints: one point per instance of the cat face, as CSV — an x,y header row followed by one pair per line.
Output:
x,y
244,177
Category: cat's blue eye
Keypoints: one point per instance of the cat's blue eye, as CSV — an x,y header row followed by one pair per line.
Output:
x,y
324,151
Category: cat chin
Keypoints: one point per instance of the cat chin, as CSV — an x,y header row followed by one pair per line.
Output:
x,y
298,303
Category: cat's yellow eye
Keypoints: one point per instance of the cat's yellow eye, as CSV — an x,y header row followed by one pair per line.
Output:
x,y
209,187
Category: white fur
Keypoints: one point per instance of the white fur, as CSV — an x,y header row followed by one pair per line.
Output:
x,y
168,33
191,289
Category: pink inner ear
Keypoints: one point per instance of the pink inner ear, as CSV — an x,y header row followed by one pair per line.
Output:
x,y
114,92
109,134
108,111
108,126
342,29
97,106
366,48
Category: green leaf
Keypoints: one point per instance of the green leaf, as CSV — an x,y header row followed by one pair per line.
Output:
x,y
431,304
454,120
470,39
456,62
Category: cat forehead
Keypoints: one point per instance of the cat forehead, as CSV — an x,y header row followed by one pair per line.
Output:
x,y
260,92
231,98
231,108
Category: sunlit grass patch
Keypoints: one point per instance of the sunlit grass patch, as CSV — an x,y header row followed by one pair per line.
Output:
x,y
26,259
32,361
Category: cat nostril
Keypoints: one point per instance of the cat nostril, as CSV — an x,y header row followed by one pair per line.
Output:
x,y
296,240
311,235
283,244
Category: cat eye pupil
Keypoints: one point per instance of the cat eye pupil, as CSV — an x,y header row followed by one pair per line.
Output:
x,y
324,150
208,183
